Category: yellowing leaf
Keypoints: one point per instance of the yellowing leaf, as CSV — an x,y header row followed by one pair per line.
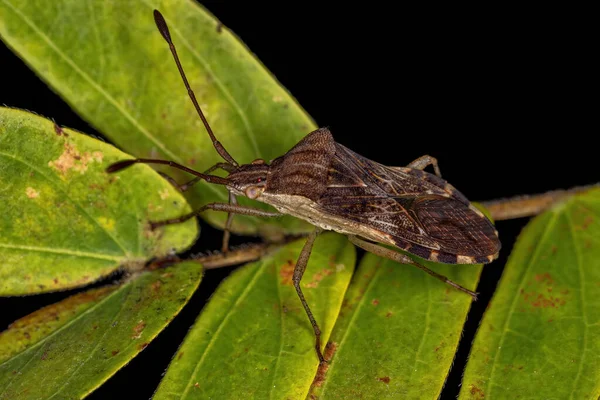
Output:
x,y
65,222
397,332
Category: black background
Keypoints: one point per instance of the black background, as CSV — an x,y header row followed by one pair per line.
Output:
x,y
501,97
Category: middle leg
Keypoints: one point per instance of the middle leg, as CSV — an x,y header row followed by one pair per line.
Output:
x,y
298,272
229,208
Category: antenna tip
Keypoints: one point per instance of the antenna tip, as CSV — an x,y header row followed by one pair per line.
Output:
x,y
161,24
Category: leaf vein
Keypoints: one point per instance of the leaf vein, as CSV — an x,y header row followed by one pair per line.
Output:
x,y
582,300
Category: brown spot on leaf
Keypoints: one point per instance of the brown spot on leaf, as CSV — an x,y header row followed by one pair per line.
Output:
x,y
286,272
385,379
318,277
587,222
544,278
138,329
156,286
143,346
71,158
180,355
330,350
375,302
539,300
219,27
32,193
114,352
389,314
45,355
196,385
332,260
476,392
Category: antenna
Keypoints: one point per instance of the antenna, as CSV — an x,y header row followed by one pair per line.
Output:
x,y
161,24
128,163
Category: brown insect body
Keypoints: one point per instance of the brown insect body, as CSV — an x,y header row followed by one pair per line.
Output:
x,y
334,188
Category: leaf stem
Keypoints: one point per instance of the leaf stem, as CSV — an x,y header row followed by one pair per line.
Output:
x,y
530,205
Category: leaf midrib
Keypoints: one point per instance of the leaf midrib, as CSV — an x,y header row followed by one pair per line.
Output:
x,y
243,295
66,252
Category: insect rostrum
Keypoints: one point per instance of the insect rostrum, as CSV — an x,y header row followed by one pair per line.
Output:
x,y
334,188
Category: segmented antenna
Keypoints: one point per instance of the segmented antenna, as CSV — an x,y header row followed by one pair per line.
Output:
x,y
118,166
161,24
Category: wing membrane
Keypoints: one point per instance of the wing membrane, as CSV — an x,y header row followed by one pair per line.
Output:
x,y
417,211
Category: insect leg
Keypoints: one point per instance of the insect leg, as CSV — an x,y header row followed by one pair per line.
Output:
x,y
226,233
170,179
298,272
404,259
423,162
230,208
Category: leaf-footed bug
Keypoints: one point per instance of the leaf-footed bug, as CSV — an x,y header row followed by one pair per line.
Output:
x,y
334,188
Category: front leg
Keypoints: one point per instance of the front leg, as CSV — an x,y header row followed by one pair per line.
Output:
x,y
423,162
229,208
226,232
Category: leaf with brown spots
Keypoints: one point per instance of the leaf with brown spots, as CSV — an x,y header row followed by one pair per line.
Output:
x,y
68,349
398,331
541,335
128,87
64,222
254,336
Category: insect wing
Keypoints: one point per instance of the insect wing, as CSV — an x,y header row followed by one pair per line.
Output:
x,y
414,210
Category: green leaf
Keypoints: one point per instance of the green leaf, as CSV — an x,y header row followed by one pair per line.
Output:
x,y
540,337
65,222
397,332
88,337
113,67
254,339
